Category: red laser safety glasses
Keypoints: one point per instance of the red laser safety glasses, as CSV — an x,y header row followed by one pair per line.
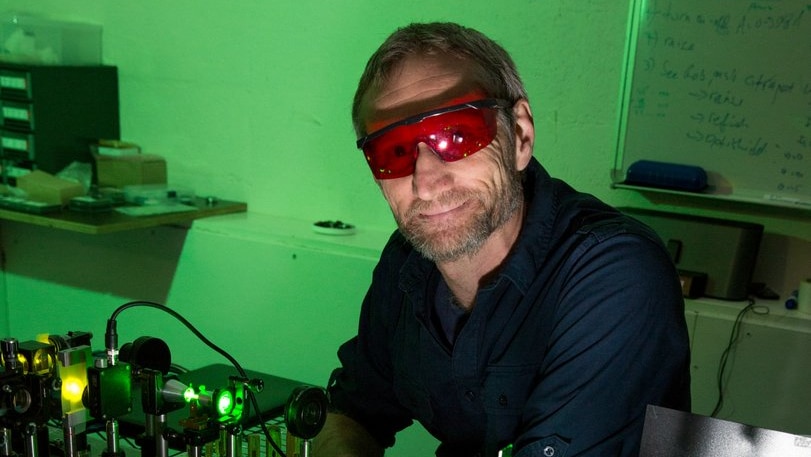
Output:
x,y
453,133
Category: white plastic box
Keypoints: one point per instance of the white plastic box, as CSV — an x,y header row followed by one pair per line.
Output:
x,y
28,39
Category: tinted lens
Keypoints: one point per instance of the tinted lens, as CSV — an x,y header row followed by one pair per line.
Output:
x,y
453,135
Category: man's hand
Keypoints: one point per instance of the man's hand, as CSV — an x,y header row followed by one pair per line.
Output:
x,y
343,437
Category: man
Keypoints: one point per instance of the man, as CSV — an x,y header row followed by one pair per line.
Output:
x,y
507,310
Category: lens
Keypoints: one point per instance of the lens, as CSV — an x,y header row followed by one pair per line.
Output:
x,y
391,157
22,400
225,403
453,134
471,131
306,411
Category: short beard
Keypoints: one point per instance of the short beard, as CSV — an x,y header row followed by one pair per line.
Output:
x,y
464,238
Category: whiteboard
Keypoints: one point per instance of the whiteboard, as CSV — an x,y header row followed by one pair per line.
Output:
x,y
724,85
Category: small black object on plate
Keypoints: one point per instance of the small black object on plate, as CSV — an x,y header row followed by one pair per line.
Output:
x,y
333,228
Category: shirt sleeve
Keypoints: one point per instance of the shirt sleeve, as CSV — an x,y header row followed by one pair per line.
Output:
x,y
619,342
362,387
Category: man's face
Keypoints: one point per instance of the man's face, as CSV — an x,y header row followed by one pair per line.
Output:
x,y
447,210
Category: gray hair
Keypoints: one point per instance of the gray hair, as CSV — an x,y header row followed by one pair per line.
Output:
x,y
501,79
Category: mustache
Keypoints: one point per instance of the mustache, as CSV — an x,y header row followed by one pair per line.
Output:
x,y
448,198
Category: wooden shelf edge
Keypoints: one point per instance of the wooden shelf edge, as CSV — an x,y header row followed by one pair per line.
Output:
x,y
111,222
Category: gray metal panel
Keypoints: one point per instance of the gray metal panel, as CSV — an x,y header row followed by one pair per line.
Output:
x,y
671,433
725,250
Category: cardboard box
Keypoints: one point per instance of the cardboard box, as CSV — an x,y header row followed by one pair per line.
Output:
x,y
44,187
129,170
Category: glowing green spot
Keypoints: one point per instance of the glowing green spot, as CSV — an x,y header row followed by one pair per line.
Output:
x,y
225,402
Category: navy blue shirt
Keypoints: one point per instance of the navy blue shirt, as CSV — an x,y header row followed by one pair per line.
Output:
x,y
579,331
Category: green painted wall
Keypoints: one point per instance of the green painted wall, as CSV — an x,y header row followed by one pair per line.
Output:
x,y
250,100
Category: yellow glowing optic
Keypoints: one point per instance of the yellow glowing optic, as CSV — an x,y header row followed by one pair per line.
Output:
x,y
72,389
43,362
72,370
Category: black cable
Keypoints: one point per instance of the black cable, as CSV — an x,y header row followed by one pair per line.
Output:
x,y
177,369
111,340
111,325
733,338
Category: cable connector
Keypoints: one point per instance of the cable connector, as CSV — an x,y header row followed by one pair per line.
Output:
x,y
111,342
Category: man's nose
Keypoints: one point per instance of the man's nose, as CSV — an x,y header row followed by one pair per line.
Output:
x,y
430,174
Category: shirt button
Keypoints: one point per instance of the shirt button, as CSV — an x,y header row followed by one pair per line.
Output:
x,y
548,451
470,395
502,400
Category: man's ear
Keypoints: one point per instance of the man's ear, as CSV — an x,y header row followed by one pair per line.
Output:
x,y
524,133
